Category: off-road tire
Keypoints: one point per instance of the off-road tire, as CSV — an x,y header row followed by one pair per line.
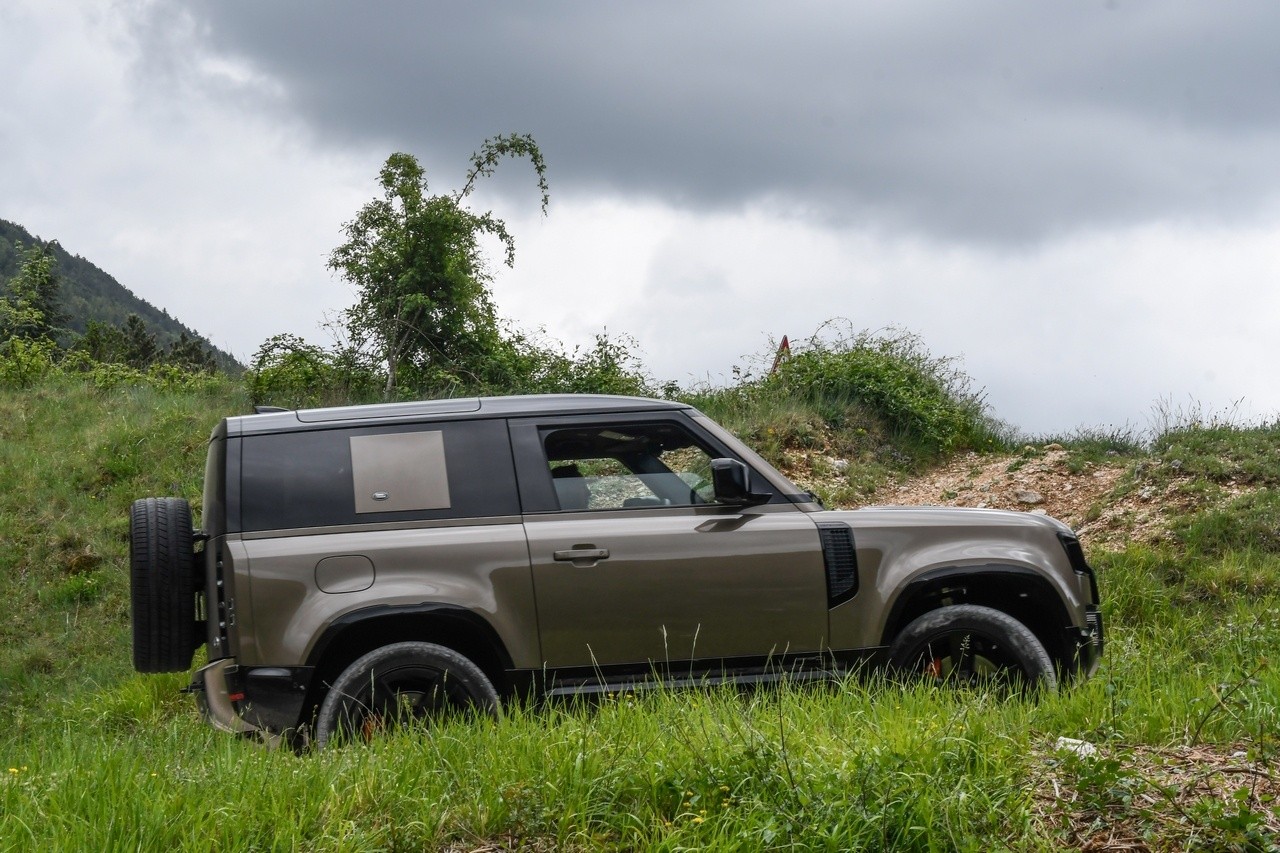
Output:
x,y
970,645
162,580
402,684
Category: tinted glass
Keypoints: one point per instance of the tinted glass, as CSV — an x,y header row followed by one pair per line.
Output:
x,y
306,479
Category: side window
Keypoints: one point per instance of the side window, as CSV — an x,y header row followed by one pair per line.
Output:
x,y
627,466
364,475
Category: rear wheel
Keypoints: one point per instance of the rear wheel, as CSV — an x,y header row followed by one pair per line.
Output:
x,y
162,585
402,684
972,646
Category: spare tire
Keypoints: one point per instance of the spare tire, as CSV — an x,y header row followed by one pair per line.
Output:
x,y
162,579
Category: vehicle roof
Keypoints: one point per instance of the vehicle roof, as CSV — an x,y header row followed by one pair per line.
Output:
x,y
461,407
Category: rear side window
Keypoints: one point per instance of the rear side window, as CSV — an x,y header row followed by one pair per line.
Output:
x,y
399,471
377,474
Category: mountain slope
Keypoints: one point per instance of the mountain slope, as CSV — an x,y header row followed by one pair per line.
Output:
x,y
89,293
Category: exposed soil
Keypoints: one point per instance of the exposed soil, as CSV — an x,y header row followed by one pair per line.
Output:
x,y
1103,502
1038,480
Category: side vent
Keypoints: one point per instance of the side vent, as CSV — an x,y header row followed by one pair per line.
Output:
x,y
841,561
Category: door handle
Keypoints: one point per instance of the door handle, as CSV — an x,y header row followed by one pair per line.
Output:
x,y
572,555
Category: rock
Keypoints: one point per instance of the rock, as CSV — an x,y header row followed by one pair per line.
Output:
x,y
1028,496
1053,445
1039,511
1082,748
840,465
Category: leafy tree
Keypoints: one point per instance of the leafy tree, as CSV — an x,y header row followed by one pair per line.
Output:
x,y
415,260
31,309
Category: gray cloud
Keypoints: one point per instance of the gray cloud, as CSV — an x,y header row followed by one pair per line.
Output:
x,y
983,121
1079,199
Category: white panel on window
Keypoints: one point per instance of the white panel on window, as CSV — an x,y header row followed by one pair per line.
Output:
x,y
399,471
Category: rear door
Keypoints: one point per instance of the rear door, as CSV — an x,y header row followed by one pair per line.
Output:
x,y
634,562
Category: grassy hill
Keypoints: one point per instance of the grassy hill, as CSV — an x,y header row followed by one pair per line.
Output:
x,y
1184,714
88,293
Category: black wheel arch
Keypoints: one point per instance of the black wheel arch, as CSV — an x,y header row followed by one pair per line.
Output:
x,y
355,634
1021,592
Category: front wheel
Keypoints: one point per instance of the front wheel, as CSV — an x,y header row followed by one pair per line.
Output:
x,y
402,684
970,645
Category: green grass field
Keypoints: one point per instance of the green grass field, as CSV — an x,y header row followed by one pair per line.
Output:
x,y
1184,713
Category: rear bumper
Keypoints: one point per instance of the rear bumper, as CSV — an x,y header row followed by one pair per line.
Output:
x,y
212,689
220,698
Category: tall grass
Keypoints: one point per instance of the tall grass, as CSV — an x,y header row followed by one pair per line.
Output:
x,y
93,756
73,456
859,764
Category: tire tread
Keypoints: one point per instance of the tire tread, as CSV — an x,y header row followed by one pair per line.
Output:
x,y
162,584
1038,667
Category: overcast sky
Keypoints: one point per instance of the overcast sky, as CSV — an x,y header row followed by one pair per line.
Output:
x,y
1080,200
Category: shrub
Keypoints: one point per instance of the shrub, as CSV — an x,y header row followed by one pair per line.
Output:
x,y
24,361
925,402
609,367
287,371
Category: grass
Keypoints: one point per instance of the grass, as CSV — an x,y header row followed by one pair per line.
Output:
x,y
72,459
93,756
854,765
1096,445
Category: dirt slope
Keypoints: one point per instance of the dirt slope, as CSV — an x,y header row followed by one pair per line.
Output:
x,y
1103,501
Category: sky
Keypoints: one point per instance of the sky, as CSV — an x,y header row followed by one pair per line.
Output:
x,y
1080,202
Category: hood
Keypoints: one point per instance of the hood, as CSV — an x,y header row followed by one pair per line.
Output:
x,y
943,516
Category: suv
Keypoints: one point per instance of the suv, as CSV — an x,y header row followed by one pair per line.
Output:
x,y
368,561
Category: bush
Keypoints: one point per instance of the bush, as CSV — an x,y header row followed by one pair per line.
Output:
x,y
287,371
925,402
24,361
608,367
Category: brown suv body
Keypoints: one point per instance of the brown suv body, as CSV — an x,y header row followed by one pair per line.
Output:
x,y
575,543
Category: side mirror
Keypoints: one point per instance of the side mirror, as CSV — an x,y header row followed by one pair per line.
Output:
x,y
731,480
